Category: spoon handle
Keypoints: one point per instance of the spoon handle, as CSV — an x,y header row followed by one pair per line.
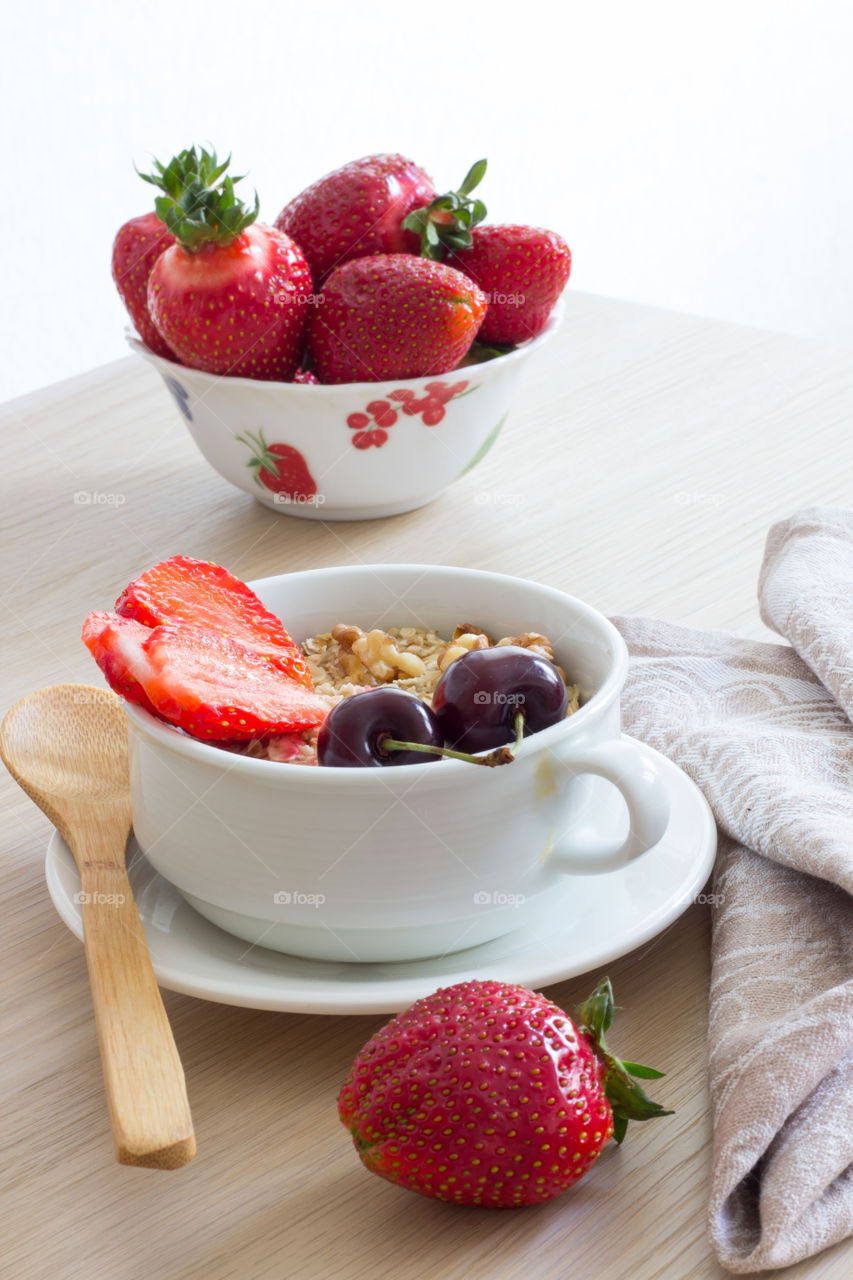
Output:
x,y
143,1076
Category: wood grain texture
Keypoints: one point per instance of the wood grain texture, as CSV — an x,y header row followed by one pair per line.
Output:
x,y
646,457
66,747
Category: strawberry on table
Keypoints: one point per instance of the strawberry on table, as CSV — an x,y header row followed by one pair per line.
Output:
x,y
137,246
393,316
357,210
206,595
486,1093
209,685
231,296
522,271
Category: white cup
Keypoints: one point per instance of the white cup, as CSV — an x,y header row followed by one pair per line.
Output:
x,y
411,861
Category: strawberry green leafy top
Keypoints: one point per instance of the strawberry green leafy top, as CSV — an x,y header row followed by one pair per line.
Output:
x,y
196,206
628,1101
446,223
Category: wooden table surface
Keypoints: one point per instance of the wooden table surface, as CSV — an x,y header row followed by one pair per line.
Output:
x,y
646,457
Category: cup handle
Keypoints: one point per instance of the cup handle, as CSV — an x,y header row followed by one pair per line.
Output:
x,y
632,768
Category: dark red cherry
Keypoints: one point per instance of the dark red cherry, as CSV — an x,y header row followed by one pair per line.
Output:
x,y
355,729
481,694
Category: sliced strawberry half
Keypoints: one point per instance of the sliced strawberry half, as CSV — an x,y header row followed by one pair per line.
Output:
x,y
206,595
116,645
214,687
207,684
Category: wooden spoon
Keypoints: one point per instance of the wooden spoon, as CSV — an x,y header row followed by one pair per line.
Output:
x,y
67,747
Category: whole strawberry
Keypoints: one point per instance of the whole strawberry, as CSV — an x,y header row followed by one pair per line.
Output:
x,y
231,296
137,246
393,316
486,1093
357,210
522,271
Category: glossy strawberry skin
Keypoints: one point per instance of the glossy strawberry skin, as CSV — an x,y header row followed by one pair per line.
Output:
x,y
204,594
137,246
212,687
238,309
484,1093
522,271
393,316
356,211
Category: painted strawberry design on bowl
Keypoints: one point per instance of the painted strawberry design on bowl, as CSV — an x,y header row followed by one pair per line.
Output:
x,y
281,469
372,426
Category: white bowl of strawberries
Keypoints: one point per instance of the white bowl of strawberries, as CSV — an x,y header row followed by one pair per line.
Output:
x,y
357,357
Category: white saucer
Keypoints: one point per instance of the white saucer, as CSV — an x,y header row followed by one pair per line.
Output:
x,y
593,921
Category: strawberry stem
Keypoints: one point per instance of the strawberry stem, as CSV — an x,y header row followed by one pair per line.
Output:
x,y
446,223
196,206
628,1101
262,459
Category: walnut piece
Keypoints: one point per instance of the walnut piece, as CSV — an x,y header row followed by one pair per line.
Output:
x,y
463,642
533,641
352,665
383,659
468,629
346,636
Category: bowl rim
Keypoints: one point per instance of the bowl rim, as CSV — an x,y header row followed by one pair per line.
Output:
x,y
174,741
164,365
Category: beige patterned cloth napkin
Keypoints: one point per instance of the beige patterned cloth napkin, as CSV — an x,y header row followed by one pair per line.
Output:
x,y
765,730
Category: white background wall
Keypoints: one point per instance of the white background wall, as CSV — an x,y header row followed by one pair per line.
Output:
x,y
695,155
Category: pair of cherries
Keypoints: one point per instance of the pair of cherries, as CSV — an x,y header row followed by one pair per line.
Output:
x,y
484,700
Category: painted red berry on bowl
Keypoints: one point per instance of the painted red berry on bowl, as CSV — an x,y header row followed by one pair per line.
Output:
x,y
365,439
433,413
382,413
358,421
280,468
445,391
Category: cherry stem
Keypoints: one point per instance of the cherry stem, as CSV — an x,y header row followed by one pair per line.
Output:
x,y
500,755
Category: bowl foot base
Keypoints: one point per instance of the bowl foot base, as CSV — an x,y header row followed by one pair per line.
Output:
x,y
319,510
366,946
